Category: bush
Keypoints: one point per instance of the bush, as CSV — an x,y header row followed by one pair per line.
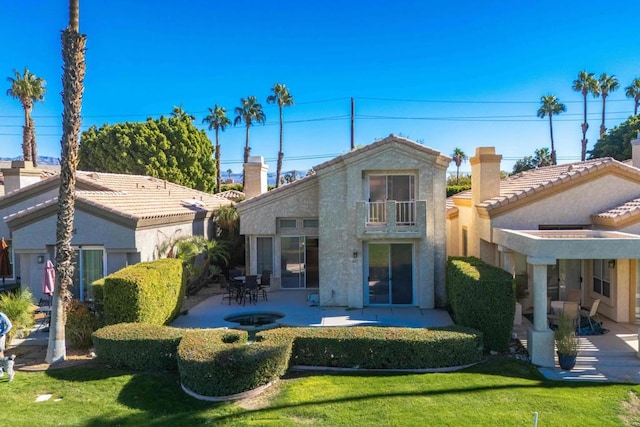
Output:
x,y
138,346
149,292
97,290
221,363
80,325
482,297
379,348
18,306
454,189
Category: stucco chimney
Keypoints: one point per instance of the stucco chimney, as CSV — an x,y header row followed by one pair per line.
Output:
x,y
20,175
635,151
485,174
255,176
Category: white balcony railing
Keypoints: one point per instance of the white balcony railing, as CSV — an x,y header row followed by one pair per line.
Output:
x,y
405,213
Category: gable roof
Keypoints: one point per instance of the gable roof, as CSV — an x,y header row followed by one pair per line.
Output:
x,y
533,184
384,142
133,200
619,216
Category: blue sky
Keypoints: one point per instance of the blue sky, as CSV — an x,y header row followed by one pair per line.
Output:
x,y
451,74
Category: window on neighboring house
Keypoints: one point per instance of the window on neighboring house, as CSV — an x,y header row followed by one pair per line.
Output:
x,y
601,278
310,223
288,223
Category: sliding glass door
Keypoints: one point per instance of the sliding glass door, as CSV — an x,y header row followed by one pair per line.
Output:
x,y
299,262
390,273
88,266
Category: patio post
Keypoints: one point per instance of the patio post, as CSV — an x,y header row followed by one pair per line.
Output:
x,y
540,342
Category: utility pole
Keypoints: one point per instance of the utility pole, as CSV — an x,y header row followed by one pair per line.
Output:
x,y
352,126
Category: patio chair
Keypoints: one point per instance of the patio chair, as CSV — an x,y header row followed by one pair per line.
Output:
x,y
573,295
570,309
231,289
591,315
250,289
265,282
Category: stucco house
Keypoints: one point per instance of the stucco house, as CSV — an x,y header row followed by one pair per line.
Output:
x,y
558,228
119,220
366,229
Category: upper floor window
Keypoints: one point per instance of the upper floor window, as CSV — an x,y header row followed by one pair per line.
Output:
x,y
391,187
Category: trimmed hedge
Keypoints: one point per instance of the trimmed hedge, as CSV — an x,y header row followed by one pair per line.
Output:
x,y
482,297
138,346
455,189
148,292
214,362
379,347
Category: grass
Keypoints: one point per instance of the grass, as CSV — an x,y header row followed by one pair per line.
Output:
x,y
500,392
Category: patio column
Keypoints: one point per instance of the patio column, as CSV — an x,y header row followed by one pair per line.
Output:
x,y
540,341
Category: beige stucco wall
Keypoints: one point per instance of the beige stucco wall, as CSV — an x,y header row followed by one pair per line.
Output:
x,y
332,196
22,205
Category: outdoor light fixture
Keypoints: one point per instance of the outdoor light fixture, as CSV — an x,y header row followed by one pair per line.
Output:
x,y
355,254
40,259
612,263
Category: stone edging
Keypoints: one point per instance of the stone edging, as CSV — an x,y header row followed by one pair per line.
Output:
x,y
238,396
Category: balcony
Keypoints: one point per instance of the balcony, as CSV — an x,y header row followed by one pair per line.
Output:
x,y
391,219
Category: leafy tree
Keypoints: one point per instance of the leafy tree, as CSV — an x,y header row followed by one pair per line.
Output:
x,y
27,88
585,83
227,222
249,111
541,157
633,91
283,98
607,84
550,106
181,114
617,143
73,54
458,157
218,121
167,148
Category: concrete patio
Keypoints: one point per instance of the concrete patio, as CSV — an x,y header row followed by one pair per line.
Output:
x,y
293,304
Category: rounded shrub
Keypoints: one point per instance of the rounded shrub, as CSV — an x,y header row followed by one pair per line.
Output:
x,y
138,346
222,363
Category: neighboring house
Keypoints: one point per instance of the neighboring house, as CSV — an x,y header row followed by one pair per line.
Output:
x,y
367,229
119,220
557,228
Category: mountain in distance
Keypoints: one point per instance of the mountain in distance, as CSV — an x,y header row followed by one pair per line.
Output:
x,y
42,160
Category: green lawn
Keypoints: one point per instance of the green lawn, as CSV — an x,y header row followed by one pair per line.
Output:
x,y
497,392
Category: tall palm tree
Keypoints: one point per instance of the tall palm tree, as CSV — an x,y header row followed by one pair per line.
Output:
x,y
550,106
585,83
73,54
27,88
249,111
633,91
217,120
283,98
607,85
458,157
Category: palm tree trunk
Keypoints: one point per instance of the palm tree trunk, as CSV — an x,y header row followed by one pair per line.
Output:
x,y
247,150
280,153
218,179
34,149
602,128
73,53
585,126
26,134
553,148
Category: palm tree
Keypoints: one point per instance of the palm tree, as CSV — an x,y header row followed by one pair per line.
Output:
x,y
607,84
585,83
283,98
229,172
217,120
27,88
458,157
248,112
542,157
179,113
550,106
73,54
633,91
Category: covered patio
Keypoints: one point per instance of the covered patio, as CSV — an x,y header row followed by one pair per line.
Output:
x,y
542,248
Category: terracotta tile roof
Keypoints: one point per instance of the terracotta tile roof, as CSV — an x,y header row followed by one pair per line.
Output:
x,y
535,181
139,196
136,197
627,210
231,195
